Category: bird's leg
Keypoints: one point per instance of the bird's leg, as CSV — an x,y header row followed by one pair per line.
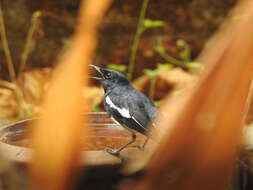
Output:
x,y
141,147
145,142
116,152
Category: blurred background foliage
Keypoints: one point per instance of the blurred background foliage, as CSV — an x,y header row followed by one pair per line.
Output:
x,y
172,35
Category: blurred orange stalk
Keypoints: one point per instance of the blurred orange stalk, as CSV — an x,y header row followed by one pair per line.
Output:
x,y
56,138
203,128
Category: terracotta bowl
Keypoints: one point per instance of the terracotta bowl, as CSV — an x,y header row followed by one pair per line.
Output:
x,y
102,170
104,132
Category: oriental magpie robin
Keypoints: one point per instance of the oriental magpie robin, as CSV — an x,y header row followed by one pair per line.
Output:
x,y
129,107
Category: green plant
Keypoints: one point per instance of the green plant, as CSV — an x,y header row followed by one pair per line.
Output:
x,y
121,68
137,38
184,54
6,47
153,75
34,25
184,62
158,103
24,110
148,23
143,25
96,109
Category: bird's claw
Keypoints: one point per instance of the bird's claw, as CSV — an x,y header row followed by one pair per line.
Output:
x,y
114,152
140,147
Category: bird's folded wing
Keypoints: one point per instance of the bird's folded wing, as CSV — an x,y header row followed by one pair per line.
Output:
x,y
139,116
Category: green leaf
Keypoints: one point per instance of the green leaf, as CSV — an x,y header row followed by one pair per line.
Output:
x,y
164,66
96,109
158,103
148,23
185,53
150,72
193,64
181,43
121,68
160,49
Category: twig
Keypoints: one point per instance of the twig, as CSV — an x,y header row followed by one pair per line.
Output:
x,y
137,38
6,47
18,92
34,24
152,87
171,59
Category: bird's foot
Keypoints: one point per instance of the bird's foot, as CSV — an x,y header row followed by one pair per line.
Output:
x,y
114,152
140,147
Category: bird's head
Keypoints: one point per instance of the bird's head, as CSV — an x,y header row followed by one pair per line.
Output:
x,y
110,78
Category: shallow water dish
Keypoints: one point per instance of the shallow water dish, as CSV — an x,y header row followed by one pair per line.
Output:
x,y
104,132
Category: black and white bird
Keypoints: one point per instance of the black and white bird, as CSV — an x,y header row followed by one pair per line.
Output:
x,y
129,107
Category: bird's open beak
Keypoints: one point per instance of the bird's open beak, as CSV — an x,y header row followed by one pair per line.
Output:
x,y
98,69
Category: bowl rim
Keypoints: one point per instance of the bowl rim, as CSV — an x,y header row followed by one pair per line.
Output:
x,y
23,155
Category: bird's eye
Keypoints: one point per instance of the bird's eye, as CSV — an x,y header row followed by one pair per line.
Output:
x,y
108,75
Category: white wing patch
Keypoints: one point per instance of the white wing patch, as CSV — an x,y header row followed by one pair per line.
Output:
x,y
123,111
